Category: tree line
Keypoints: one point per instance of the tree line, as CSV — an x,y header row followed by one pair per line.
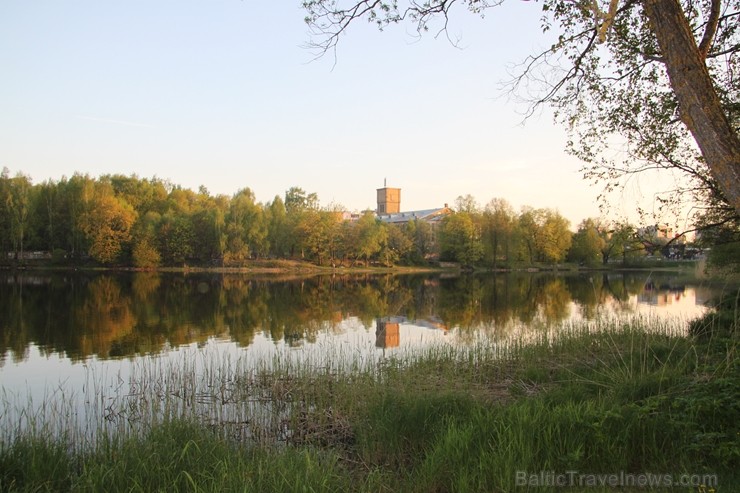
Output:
x,y
146,223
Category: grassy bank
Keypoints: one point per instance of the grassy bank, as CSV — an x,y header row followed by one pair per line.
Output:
x,y
623,398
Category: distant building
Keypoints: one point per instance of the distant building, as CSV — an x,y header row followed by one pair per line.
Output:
x,y
656,231
432,216
389,209
389,201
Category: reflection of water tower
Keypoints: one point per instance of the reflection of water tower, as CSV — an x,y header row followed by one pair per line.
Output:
x,y
387,333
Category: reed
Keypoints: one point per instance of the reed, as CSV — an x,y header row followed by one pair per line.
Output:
x,y
604,397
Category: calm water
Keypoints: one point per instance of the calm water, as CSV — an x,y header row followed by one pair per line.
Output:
x,y
82,317
55,329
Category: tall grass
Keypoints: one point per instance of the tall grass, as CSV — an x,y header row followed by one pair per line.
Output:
x,y
604,397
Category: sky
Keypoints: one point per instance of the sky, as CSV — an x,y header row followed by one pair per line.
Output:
x,y
225,94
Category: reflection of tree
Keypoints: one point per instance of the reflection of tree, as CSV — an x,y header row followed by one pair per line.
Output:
x,y
594,291
126,314
103,317
14,333
460,302
589,292
554,300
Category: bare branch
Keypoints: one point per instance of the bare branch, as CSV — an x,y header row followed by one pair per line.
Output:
x,y
711,28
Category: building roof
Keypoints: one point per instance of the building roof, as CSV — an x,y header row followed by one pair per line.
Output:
x,y
429,215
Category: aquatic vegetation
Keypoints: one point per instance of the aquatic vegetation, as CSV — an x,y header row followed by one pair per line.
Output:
x,y
609,396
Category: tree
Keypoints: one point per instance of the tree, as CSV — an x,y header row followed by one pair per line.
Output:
x,y
621,240
587,243
628,68
144,252
297,205
5,241
400,246
498,227
318,231
459,239
175,238
78,194
209,221
246,231
543,235
296,200
367,238
467,204
423,239
555,237
49,215
278,234
17,206
527,230
107,224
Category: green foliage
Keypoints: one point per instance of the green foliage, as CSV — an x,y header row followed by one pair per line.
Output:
x,y
106,223
16,197
543,235
460,239
245,229
724,258
174,456
499,223
720,325
35,463
587,244
175,236
368,237
150,223
634,398
145,254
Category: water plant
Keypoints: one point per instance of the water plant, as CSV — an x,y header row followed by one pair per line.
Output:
x,y
630,397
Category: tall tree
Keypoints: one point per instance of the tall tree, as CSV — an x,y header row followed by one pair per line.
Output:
x,y
5,241
175,238
460,239
665,65
369,238
296,199
246,231
555,237
17,206
466,203
145,251
209,221
48,213
543,235
499,220
107,224
278,234
318,232
78,196
588,243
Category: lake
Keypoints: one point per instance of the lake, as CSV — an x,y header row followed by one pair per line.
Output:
x,y
63,334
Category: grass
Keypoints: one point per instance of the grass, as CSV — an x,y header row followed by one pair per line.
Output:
x,y
611,398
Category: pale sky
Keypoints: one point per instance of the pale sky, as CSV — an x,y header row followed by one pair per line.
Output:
x,y
224,94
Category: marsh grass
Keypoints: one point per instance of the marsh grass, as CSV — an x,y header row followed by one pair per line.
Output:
x,y
632,396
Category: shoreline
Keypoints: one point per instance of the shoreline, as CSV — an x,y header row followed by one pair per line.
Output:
x,y
280,267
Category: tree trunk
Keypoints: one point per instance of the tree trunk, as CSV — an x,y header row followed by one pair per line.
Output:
x,y
699,106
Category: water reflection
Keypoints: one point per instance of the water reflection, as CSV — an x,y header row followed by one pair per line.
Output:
x,y
388,329
110,316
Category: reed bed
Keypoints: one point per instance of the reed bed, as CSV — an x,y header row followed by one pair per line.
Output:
x,y
606,396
